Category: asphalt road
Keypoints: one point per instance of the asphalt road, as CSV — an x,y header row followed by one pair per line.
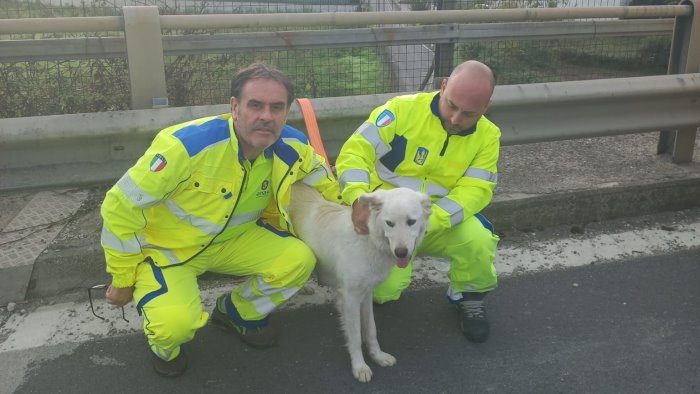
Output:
x,y
630,326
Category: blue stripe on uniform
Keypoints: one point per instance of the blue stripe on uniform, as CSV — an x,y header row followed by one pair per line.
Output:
x,y
158,274
397,153
197,137
285,152
290,132
485,222
264,225
236,317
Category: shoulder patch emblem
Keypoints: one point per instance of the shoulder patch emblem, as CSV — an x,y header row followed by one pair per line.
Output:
x,y
385,118
158,163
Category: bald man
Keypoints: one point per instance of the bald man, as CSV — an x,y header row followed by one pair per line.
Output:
x,y
439,143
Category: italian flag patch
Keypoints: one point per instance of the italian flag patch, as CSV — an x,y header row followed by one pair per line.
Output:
x,y
158,163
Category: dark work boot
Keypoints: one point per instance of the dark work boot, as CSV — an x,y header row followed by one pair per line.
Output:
x,y
258,337
172,368
474,324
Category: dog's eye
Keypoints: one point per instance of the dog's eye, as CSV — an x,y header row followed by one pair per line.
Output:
x,y
390,223
411,222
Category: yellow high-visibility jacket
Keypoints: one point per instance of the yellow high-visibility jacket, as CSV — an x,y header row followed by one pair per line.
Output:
x,y
404,144
183,191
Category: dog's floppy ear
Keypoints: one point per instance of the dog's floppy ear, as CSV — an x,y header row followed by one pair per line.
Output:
x,y
373,199
426,204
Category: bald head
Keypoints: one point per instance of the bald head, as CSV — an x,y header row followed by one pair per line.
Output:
x,y
465,96
474,71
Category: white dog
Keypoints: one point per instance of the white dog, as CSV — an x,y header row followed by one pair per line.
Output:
x,y
354,264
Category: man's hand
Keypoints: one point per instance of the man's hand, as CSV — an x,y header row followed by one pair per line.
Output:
x,y
119,296
360,215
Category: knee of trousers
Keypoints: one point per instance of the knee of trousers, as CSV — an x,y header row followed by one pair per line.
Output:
x,y
295,266
472,261
171,326
394,285
472,241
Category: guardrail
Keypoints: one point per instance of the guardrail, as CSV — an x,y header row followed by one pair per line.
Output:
x,y
145,46
194,44
99,147
73,149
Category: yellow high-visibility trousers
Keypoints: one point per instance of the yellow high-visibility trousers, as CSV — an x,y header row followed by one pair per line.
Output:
x,y
276,265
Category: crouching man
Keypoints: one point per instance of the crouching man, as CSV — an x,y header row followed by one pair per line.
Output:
x,y
209,195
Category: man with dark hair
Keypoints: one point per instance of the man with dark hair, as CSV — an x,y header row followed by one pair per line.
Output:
x,y
210,195
439,143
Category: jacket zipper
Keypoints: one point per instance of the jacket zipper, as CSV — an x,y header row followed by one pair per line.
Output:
x,y
279,208
230,215
444,146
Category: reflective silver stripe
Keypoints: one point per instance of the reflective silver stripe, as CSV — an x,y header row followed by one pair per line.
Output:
x,y
242,218
224,141
478,173
172,259
134,193
162,352
455,210
110,240
398,181
263,302
169,255
354,176
454,294
371,133
202,224
316,175
287,140
434,190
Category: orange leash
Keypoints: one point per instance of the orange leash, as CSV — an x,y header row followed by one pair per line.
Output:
x,y
307,110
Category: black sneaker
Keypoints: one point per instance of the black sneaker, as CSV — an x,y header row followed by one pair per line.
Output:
x,y
474,324
259,337
172,368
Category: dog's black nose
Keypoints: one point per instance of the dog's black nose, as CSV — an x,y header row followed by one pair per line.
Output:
x,y
401,252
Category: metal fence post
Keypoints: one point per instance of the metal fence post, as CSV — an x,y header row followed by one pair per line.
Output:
x,y
444,53
144,48
684,58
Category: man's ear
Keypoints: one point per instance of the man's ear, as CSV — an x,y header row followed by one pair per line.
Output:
x,y
234,106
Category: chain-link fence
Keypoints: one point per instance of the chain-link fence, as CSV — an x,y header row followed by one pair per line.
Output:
x,y
69,86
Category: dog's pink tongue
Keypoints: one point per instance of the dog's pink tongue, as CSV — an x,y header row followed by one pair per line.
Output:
x,y
402,262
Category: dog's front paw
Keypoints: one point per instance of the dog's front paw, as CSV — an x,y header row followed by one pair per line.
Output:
x,y
383,359
362,373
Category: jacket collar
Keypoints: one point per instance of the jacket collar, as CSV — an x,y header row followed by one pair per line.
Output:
x,y
267,152
285,152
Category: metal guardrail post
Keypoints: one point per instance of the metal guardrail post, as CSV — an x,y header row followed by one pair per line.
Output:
x,y
444,53
144,48
684,58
